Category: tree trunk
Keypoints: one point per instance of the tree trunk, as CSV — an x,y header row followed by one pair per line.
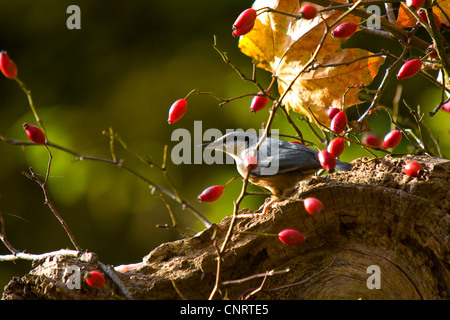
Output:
x,y
381,235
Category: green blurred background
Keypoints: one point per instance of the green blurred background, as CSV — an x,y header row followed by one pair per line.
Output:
x,y
123,69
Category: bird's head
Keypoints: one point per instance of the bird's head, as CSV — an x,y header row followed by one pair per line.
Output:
x,y
233,143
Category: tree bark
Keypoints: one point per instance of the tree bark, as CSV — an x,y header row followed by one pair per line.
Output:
x,y
381,235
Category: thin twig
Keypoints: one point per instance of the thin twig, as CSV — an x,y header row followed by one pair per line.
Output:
x,y
32,176
261,286
258,275
383,84
112,274
346,63
228,61
30,102
120,164
178,290
227,236
32,257
292,123
302,281
50,157
396,32
218,271
3,236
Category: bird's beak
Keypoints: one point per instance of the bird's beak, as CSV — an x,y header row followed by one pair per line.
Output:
x,y
217,144
204,145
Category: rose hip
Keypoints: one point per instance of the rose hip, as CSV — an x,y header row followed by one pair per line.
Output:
x,y
345,30
392,139
371,139
339,122
291,237
35,134
336,147
409,68
413,168
308,11
7,66
245,19
211,194
312,205
327,161
95,279
258,102
177,110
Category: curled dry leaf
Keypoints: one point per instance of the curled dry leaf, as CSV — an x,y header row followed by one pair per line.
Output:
x,y
283,45
359,126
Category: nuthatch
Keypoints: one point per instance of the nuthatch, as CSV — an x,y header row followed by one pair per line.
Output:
x,y
281,164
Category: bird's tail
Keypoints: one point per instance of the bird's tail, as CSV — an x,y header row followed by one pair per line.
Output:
x,y
343,166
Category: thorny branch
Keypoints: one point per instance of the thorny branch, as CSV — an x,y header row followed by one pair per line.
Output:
x,y
272,112
387,25
32,176
228,235
4,239
120,164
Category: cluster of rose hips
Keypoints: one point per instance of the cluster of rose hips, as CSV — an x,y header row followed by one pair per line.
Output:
x,y
243,25
412,67
338,124
245,22
292,237
391,140
327,158
289,236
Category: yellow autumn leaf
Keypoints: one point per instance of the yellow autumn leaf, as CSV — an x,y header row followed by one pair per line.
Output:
x,y
406,20
283,44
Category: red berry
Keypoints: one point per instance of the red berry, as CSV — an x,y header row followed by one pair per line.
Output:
x,y
241,32
309,11
177,110
327,161
371,139
7,66
431,51
332,111
336,147
291,237
211,194
246,19
392,139
95,279
413,168
446,106
250,162
422,14
339,122
345,30
258,102
34,133
415,3
409,69
313,205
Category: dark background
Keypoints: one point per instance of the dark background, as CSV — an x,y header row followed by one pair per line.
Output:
x,y
123,69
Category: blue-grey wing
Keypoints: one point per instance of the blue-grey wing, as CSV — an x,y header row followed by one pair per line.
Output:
x,y
284,157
